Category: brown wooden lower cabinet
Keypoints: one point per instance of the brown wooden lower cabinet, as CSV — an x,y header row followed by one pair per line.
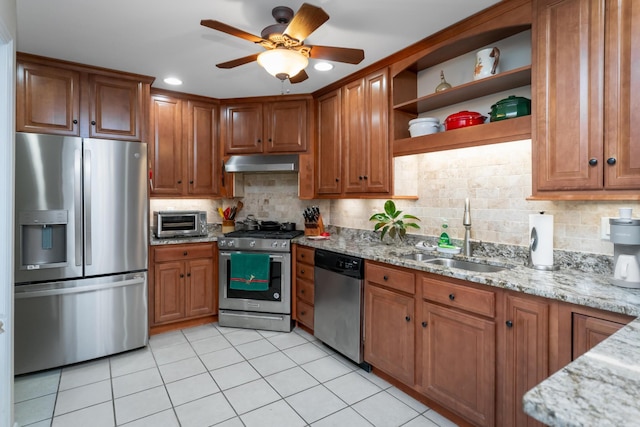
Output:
x,y
526,353
183,283
303,285
471,349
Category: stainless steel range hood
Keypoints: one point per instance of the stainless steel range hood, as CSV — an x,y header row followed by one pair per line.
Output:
x,y
263,163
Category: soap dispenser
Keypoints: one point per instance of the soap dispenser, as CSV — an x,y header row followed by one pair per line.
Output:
x,y
444,237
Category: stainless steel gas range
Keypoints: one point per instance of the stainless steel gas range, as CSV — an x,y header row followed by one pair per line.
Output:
x,y
255,279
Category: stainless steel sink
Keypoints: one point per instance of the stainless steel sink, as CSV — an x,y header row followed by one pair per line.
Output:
x,y
466,265
419,257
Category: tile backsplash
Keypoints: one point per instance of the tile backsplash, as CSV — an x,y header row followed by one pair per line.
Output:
x,y
496,178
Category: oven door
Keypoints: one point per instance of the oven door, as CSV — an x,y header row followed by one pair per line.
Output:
x,y
276,299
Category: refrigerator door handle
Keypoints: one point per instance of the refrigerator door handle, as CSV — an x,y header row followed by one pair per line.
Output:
x,y
79,289
87,206
77,203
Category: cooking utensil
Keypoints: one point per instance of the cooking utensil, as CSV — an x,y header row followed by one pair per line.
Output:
x,y
270,225
288,226
251,222
463,119
221,213
226,213
510,107
424,126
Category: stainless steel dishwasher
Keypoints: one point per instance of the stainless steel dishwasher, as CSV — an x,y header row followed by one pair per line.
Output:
x,y
338,303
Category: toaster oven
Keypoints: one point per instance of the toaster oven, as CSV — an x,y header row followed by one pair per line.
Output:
x,y
179,223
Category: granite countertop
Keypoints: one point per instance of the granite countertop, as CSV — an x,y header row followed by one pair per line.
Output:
x,y
600,388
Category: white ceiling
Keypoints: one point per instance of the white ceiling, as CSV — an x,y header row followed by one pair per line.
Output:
x,y
164,38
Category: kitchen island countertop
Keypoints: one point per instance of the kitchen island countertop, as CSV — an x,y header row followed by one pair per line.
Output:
x,y
602,387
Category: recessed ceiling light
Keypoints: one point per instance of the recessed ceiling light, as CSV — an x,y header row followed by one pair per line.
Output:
x,y
173,81
323,66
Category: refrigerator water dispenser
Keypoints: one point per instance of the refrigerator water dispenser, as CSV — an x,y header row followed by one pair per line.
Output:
x,y
43,239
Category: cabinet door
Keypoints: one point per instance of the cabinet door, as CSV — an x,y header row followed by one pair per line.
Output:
x,y
203,160
621,114
169,282
354,137
48,100
590,331
286,126
459,362
389,332
242,129
166,146
526,354
199,295
377,155
329,140
116,108
568,88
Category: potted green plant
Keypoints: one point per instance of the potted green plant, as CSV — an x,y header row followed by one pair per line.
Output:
x,y
392,222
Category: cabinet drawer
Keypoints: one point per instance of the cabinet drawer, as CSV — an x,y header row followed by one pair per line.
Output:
x,y
304,313
305,291
459,296
304,255
304,271
178,252
391,278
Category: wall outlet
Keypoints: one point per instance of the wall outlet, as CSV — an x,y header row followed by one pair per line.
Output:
x,y
605,228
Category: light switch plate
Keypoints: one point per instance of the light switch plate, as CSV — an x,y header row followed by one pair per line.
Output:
x,y
605,228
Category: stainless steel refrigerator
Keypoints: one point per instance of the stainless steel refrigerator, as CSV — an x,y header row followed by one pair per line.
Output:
x,y
81,234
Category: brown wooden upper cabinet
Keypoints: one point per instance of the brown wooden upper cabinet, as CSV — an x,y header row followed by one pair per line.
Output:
x,y
184,150
266,127
62,98
586,134
354,156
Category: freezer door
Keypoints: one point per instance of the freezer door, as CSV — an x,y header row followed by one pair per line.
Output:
x,y
48,208
115,206
67,322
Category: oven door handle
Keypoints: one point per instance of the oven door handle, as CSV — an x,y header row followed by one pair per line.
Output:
x,y
271,256
253,316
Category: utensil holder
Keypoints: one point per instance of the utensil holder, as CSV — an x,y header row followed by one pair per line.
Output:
x,y
228,225
314,228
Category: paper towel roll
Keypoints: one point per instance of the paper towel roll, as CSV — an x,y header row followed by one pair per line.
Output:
x,y
543,254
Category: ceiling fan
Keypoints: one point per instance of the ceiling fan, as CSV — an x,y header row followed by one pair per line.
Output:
x,y
286,55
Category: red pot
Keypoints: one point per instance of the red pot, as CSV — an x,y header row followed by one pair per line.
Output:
x,y
463,119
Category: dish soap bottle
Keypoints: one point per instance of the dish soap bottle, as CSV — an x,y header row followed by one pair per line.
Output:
x,y
444,237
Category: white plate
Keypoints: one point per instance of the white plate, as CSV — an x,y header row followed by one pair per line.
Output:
x,y
318,237
449,250
423,246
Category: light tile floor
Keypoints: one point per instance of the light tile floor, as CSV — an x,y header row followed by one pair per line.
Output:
x,y
211,375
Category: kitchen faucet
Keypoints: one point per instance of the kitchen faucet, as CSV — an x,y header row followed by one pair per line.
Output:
x,y
466,221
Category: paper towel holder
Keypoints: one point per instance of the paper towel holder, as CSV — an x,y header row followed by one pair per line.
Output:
x,y
533,244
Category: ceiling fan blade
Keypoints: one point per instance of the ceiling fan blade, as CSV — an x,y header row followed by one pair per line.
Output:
x,y
339,54
217,25
237,62
306,21
300,77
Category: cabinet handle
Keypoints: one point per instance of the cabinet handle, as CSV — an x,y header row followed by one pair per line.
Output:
x,y
611,161
188,274
424,324
385,277
269,139
259,141
366,177
407,318
185,253
509,324
593,162
75,121
360,177
191,182
93,122
182,276
302,313
302,291
302,271
452,297
337,179
180,182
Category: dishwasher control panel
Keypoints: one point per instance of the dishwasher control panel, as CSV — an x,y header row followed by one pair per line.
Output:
x,y
339,263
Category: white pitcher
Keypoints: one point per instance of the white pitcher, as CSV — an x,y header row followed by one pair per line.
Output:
x,y
487,63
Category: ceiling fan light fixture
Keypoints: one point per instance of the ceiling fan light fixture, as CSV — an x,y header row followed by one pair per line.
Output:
x,y
323,66
282,62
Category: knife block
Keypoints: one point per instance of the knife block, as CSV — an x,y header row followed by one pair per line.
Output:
x,y
314,228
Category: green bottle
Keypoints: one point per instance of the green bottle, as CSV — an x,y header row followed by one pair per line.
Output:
x,y
444,237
